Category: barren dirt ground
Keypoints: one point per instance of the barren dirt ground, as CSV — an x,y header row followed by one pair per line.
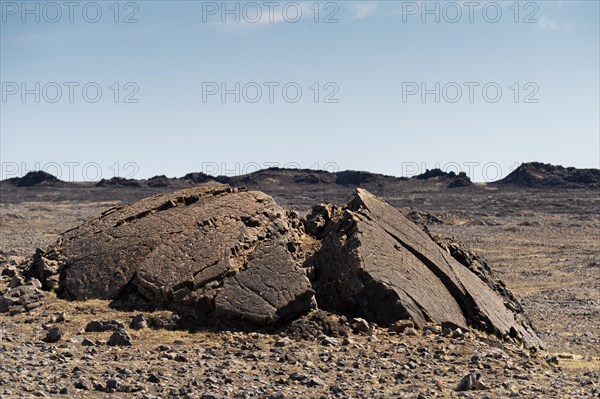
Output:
x,y
545,245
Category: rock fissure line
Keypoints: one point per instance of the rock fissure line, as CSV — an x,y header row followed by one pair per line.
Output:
x,y
455,291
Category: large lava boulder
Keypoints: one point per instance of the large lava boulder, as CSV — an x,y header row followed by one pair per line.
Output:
x,y
377,264
230,255
215,251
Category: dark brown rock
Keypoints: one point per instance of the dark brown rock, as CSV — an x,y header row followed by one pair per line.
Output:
x,y
102,326
211,250
271,288
220,254
377,264
320,216
54,334
43,268
138,322
119,338
318,323
21,298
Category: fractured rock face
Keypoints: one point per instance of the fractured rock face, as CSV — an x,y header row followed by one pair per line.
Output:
x,y
377,264
257,295
213,250
216,253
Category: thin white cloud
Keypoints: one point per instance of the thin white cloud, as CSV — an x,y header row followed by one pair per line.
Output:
x,y
546,23
362,9
261,16
549,24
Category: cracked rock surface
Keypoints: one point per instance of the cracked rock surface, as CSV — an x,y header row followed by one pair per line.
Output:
x,y
215,253
377,264
212,250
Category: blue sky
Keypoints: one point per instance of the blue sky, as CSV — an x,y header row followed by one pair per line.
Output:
x,y
361,77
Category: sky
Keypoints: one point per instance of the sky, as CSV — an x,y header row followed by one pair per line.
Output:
x,y
135,89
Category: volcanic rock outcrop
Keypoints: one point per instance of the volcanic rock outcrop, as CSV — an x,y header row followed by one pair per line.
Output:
x,y
216,251
460,180
234,256
537,174
377,264
33,179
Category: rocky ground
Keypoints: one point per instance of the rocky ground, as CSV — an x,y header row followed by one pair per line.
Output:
x,y
544,243
208,364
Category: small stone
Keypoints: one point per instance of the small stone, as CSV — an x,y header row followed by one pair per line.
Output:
x,y
53,335
508,384
16,281
153,378
330,341
138,322
457,333
285,341
336,390
360,325
315,382
10,271
435,329
35,283
64,391
5,304
552,360
181,358
471,382
297,377
102,326
402,325
87,342
411,365
59,317
83,385
119,338
410,331
32,305
211,380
